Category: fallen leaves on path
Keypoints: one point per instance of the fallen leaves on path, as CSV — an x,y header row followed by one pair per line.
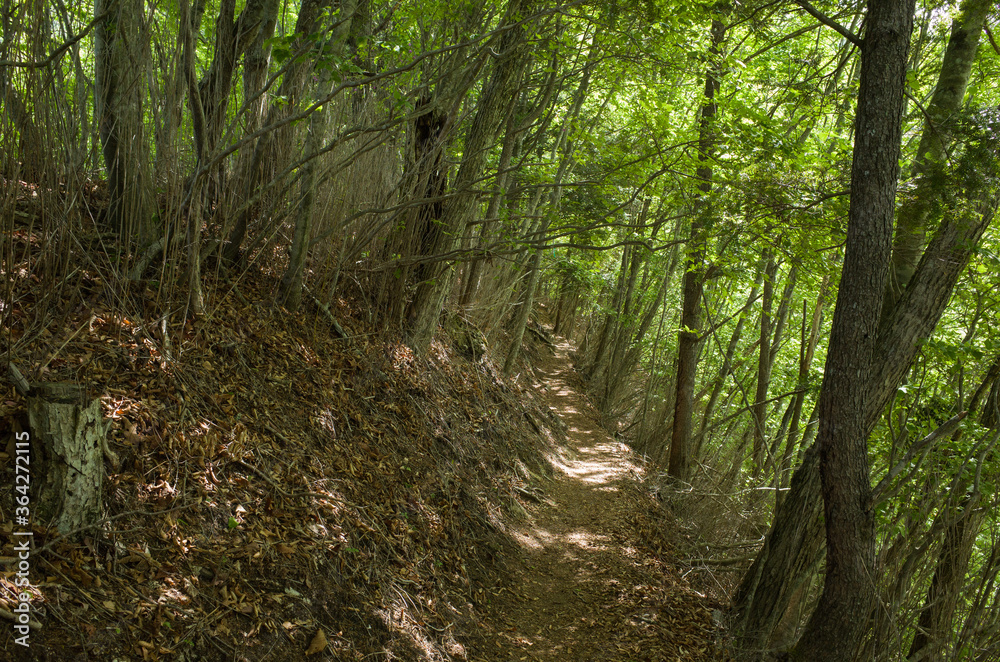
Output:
x,y
281,490
587,588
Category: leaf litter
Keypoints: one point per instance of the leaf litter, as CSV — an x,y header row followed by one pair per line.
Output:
x,y
283,493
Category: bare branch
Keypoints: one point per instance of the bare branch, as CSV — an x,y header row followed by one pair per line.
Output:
x,y
57,53
943,430
829,22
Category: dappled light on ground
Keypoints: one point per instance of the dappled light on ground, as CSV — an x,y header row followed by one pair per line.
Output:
x,y
586,591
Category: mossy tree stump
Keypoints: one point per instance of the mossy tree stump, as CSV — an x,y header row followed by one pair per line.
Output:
x,y
68,466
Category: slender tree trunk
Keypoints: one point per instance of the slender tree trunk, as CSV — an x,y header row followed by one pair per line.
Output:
x,y
475,267
694,276
687,359
631,357
256,62
194,189
806,354
290,288
172,115
835,629
727,362
234,36
429,299
941,117
652,381
781,316
934,627
120,57
31,146
516,127
563,149
567,294
619,368
603,351
526,304
273,148
759,410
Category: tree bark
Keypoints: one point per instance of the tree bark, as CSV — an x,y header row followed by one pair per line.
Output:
x,y
120,62
790,553
290,287
942,115
835,628
694,274
70,432
758,411
426,307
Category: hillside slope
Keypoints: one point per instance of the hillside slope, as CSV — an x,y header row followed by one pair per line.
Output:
x,y
283,490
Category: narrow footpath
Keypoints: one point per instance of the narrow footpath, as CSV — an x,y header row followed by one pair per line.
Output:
x,y
587,589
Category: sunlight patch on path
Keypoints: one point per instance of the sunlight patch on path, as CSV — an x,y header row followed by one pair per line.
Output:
x,y
575,565
586,588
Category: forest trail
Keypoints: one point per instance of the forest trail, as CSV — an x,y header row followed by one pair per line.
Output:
x,y
584,590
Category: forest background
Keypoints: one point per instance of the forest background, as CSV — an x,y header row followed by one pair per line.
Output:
x,y
693,187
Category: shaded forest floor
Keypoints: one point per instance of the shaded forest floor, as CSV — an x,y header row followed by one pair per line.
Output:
x,y
589,587
283,490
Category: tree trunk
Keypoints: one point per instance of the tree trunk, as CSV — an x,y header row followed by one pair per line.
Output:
x,y
563,149
806,353
759,410
619,368
172,114
30,151
632,356
273,148
30,145
836,626
774,344
290,288
727,362
525,306
193,196
941,117
790,553
784,307
256,62
935,625
475,267
70,433
694,274
234,36
429,299
120,57
514,135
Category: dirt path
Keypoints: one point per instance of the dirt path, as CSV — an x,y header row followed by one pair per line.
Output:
x,y
587,591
